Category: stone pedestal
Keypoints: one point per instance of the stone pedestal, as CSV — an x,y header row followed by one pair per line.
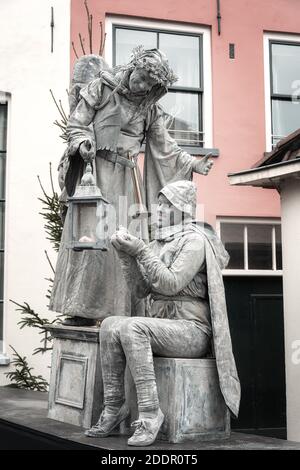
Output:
x,y
190,398
75,394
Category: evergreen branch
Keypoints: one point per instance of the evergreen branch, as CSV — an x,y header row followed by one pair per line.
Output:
x,y
51,214
32,318
23,377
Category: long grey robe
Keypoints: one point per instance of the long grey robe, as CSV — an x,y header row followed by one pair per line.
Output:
x,y
91,284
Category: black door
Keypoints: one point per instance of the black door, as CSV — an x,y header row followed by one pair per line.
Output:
x,y
255,310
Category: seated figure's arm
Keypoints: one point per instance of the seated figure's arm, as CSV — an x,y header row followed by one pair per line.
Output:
x,y
134,275
171,280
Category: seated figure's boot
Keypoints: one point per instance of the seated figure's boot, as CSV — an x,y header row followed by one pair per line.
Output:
x,y
146,430
108,422
79,321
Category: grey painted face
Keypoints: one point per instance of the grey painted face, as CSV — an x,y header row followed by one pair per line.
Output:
x,y
167,214
140,81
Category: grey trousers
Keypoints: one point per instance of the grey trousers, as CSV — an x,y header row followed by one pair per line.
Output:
x,y
134,340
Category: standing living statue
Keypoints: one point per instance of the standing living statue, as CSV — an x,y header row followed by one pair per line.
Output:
x,y
111,116
181,271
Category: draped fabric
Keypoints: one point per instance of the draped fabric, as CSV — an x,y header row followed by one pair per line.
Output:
x,y
91,283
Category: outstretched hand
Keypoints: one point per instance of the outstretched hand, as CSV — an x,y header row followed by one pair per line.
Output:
x,y
204,165
123,241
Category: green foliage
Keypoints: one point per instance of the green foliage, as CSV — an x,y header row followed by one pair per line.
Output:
x,y
51,212
32,319
22,376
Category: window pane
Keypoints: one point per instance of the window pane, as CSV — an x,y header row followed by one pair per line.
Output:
x,y
232,236
285,117
182,117
3,126
127,39
259,246
285,68
184,56
278,247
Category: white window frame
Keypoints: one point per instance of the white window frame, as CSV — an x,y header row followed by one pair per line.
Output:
x,y
268,111
207,110
250,221
5,98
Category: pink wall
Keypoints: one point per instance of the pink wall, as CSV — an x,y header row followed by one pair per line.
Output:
x,y
238,86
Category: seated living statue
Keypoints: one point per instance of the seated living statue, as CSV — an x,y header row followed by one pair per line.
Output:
x,y
181,271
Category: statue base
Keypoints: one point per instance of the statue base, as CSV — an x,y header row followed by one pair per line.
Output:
x,y
188,389
190,398
75,393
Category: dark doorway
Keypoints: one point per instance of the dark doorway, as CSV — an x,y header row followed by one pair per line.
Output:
x,y
255,310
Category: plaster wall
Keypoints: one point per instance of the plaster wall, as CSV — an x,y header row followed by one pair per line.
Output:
x,y
238,89
28,69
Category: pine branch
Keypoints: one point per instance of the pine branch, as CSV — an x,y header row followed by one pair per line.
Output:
x,y
30,317
51,214
23,377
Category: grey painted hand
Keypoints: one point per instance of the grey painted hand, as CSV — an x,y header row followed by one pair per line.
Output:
x,y
204,165
87,150
126,242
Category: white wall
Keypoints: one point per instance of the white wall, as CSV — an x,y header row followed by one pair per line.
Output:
x,y
28,70
290,205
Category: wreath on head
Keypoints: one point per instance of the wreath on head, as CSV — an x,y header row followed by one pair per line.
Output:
x,y
155,62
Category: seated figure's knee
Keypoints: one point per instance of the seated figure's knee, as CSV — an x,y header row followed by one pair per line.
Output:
x,y
110,325
131,328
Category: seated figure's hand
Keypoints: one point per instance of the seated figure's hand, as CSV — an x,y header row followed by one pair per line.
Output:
x,y
203,166
122,240
87,150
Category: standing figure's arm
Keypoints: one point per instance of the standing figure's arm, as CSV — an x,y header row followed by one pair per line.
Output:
x,y
165,156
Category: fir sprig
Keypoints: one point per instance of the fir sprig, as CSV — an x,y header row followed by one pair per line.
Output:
x,y
51,212
22,375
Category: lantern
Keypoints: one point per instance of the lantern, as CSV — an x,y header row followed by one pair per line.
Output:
x,y
87,213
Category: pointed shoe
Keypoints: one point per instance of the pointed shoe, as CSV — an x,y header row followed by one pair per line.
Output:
x,y
107,423
146,430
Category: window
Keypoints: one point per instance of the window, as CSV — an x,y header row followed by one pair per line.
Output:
x,y
285,88
254,245
185,102
3,132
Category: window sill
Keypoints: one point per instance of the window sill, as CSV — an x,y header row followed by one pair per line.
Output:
x,y
198,151
4,360
252,272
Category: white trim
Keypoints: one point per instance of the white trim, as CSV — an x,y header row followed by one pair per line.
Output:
x,y
6,99
207,68
269,175
251,272
246,261
274,248
268,119
247,220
